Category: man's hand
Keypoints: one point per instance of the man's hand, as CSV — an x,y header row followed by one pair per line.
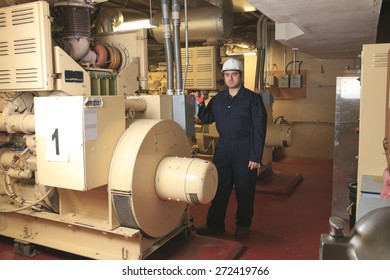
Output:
x,y
253,165
198,95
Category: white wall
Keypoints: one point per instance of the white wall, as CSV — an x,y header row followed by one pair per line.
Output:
x,y
312,117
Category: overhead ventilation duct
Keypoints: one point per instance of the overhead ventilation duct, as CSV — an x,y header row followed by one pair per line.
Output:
x,y
284,32
211,24
108,19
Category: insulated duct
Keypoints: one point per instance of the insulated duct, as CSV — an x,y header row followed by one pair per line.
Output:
x,y
211,24
107,20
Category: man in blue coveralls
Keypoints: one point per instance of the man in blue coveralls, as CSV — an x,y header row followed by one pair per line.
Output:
x,y
241,120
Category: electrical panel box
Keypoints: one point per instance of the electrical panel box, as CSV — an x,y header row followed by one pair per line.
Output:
x,y
270,80
284,81
183,113
295,81
76,137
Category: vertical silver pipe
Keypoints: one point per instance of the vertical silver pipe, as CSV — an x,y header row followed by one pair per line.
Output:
x,y
186,42
284,60
295,59
176,45
166,24
258,47
263,50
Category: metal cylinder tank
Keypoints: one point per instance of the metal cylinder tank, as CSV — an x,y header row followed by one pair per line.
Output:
x,y
211,24
279,135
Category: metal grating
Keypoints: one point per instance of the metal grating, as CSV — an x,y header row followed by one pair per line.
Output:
x,y
190,53
123,210
379,60
206,82
190,68
194,198
4,48
23,46
23,16
27,75
3,20
204,67
204,53
5,76
190,82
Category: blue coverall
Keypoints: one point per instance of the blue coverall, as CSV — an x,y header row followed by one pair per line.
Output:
x,y
241,123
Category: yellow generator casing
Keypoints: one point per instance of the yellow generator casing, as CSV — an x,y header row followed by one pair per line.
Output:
x,y
76,137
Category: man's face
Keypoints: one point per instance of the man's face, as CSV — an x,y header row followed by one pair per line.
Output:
x,y
232,79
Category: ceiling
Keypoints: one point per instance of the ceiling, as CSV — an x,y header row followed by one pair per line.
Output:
x,y
323,28
330,28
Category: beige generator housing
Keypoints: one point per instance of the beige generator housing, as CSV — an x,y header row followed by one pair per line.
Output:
x,y
87,164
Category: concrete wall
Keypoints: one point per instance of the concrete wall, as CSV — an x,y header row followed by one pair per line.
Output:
x,y
312,117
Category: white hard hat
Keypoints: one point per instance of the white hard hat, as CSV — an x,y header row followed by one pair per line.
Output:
x,y
232,64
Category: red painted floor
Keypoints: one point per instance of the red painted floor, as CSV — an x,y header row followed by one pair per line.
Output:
x,y
285,226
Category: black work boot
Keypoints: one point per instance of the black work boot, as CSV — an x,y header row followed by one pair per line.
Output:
x,y
241,232
206,230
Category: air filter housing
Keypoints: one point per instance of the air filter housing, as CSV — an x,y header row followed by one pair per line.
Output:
x,y
26,62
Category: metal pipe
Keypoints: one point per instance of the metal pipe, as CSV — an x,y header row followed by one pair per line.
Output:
x,y
284,60
78,47
186,44
258,47
14,122
176,45
20,123
264,27
295,60
137,104
167,45
19,173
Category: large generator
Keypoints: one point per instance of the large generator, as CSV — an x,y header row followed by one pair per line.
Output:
x,y
88,165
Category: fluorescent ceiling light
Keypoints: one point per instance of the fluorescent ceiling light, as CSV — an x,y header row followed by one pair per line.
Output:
x,y
139,24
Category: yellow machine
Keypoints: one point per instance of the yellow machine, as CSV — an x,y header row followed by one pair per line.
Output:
x,y
87,166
